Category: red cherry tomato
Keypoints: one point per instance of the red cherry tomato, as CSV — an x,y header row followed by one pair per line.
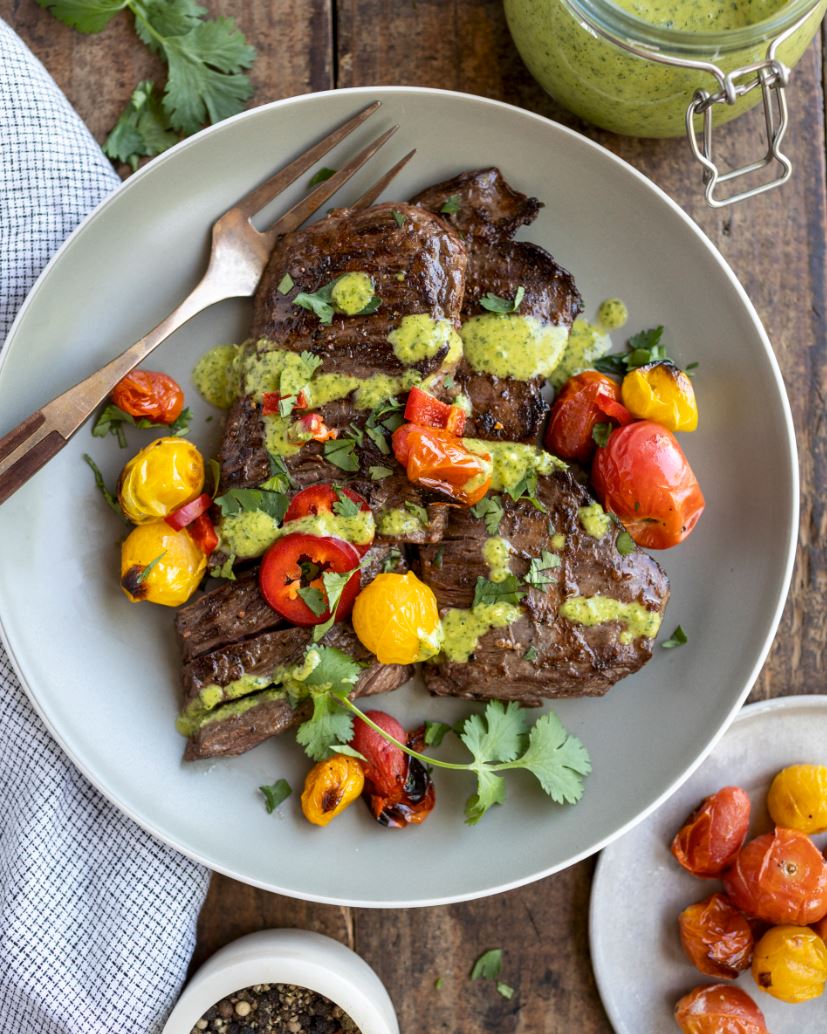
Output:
x,y
149,394
322,498
202,532
713,835
439,460
584,401
644,478
270,402
427,411
297,562
716,937
779,877
387,765
718,1009
187,513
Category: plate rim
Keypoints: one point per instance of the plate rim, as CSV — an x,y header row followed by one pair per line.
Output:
x,y
753,710
603,153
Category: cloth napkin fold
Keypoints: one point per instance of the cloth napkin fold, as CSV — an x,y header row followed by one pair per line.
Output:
x,y
97,919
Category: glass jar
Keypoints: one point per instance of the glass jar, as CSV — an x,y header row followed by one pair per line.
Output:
x,y
642,79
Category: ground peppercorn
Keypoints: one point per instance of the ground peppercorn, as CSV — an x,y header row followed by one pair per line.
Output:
x,y
275,1009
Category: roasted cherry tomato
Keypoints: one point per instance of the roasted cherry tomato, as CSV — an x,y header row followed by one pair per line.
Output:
x,y
295,564
270,402
585,400
396,617
439,460
779,877
151,395
716,937
160,565
798,798
330,787
161,478
386,767
714,833
718,1009
644,478
186,514
311,427
322,500
790,963
203,534
427,411
661,392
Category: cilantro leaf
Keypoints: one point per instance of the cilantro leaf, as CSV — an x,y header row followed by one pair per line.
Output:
x,y
526,488
100,484
143,129
398,217
334,584
435,733
539,567
494,303
506,591
278,469
286,284
678,638
392,560
490,791
505,990
490,510
149,568
84,15
601,433
558,759
275,794
379,473
314,598
328,725
344,505
451,205
112,418
417,511
487,966
336,671
530,654
625,544
641,349
318,302
320,176
439,557
225,570
245,500
499,734
341,452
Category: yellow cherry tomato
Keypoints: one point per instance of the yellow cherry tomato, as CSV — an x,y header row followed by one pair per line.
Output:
x,y
663,393
798,798
397,619
160,565
790,963
160,478
330,787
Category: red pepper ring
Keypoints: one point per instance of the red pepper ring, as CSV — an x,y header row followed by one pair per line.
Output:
x,y
298,561
270,402
203,534
322,498
612,408
189,512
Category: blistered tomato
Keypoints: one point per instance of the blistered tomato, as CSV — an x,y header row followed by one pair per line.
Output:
x,y
790,963
439,460
585,400
718,1009
161,478
798,798
397,619
780,877
716,937
146,394
160,565
663,393
292,577
643,477
712,836
330,787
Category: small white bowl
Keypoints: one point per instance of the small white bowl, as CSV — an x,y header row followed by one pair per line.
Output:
x,y
288,957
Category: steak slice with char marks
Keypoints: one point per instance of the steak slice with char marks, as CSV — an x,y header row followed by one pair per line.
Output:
x,y
571,659
489,211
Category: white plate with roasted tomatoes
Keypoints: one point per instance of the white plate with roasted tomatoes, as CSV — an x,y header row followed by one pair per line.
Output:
x,y
104,674
639,889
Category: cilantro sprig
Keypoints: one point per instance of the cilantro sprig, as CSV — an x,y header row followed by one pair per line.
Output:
x,y
494,303
112,418
206,59
641,349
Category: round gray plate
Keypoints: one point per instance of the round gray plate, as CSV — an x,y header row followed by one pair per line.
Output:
x,y
103,673
639,889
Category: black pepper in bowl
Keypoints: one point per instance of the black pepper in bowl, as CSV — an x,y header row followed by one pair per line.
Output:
x,y
275,1009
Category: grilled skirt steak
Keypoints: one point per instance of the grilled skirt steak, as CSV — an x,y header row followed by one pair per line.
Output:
x,y
571,659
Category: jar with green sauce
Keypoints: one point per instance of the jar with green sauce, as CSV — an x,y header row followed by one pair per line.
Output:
x,y
661,68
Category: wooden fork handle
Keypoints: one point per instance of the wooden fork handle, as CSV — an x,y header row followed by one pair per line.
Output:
x,y
24,450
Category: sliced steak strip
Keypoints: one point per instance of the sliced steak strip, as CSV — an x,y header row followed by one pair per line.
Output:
x,y
243,457
489,211
571,659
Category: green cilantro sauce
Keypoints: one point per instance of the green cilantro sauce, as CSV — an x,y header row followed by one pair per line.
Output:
x,y
599,81
217,375
351,293
511,461
496,553
250,533
557,541
514,346
420,337
596,522
397,522
598,610
589,341
612,314
463,629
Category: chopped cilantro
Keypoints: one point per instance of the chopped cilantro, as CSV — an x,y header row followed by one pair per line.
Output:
x,y
341,452
601,434
490,510
344,505
150,567
439,557
334,584
314,598
417,511
245,500
451,205
435,733
624,543
399,218
320,176
439,983
392,560
379,473
494,303
286,284
506,591
530,654
318,302
678,638
112,418
487,966
538,571
526,488
505,990
275,794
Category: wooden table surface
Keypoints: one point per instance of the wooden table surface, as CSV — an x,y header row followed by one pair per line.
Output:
x,y
775,244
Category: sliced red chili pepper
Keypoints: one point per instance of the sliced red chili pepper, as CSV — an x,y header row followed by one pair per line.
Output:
x,y
614,409
439,460
312,426
321,499
427,411
189,512
203,534
270,402
299,561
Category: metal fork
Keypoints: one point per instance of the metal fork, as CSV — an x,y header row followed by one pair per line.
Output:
x,y
237,259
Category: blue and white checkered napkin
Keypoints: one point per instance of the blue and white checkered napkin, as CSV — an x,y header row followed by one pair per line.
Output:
x,y
97,919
